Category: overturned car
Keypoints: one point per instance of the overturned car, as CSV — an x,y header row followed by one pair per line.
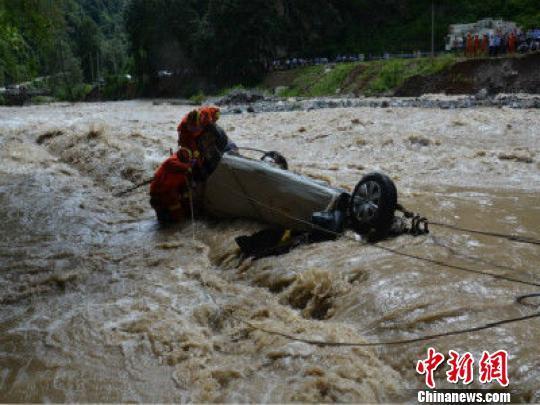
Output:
x,y
264,190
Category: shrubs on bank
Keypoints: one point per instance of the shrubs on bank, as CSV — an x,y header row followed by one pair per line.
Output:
x,y
367,78
390,74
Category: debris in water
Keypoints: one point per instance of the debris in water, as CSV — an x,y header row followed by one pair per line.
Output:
x,y
517,157
48,135
480,153
361,142
419,140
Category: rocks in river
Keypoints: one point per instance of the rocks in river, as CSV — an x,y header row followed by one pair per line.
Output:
x,y
417,139
521,156
482,94
267,104
240,96
480,153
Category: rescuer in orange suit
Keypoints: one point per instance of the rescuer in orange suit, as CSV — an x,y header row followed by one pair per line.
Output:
x,y
194,125
512,43
175,182
469,46
476,45
170,189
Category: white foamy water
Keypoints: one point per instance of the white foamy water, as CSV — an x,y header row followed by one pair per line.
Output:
x,y
100,304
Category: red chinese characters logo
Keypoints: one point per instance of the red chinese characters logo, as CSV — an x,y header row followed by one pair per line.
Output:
x,y
461,368
494,367
491,367
429,365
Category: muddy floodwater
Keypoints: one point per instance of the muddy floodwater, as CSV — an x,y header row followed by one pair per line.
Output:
x,y
100,304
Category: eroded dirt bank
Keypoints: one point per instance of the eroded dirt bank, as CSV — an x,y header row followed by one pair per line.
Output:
x,y
100,304
494,75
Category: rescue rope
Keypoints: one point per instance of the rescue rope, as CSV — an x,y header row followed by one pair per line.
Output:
x,y
190,193
424,338
470,257
513,238
387,249
522,299
251,149
133,188
490,325
456,267
325,343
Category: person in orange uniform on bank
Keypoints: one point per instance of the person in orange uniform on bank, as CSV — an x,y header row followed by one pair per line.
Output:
x,y
476,45
170,188
512,40
469,45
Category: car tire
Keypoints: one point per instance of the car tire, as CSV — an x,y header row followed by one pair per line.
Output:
x,y
372,206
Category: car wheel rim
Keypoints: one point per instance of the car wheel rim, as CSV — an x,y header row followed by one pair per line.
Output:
x,y
366,201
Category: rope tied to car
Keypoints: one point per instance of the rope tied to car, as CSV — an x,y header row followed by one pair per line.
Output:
x,y
379,246
421,221
134,187
419,225
510,237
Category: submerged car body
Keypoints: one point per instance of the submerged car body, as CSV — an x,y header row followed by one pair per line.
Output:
x,y
241,187
264,190
253,189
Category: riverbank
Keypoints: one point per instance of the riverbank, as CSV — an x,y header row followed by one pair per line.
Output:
x,y
441,101
370,81
411,77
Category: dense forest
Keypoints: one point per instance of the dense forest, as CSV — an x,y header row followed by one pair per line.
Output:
x,y
213,42
69,42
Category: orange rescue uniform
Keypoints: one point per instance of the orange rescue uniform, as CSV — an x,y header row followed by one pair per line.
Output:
x,y
194,124
476,45
512,43
169,191
485,44
469,45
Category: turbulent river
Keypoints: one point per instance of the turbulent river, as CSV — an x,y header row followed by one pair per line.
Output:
x,y
99,304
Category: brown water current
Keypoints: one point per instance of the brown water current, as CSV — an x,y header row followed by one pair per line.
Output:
x,y
100,304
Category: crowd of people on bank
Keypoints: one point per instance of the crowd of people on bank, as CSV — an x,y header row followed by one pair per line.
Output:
x,y
291,63
472,45
498,43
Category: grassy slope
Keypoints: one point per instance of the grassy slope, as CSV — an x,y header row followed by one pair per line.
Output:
x,y
368,78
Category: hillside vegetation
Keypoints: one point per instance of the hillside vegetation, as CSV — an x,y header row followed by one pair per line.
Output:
x,y
234,41
211,44
71,42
